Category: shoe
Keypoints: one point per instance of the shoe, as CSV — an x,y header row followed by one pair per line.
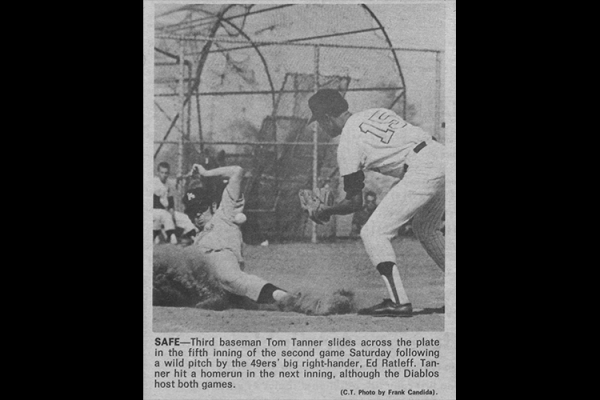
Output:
x,y
388,308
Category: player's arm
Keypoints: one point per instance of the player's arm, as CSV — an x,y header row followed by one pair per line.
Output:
x,y
353,186
170,201
234,173
344,207
171,205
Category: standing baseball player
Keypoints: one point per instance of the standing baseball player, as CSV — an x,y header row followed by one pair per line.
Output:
x,y
164,215
379,140
220,239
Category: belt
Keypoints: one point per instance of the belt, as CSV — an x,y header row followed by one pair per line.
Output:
x,y
417,149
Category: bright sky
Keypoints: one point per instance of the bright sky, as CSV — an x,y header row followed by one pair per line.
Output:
x,y
413,25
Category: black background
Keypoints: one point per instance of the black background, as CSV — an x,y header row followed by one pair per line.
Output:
x,y
496,149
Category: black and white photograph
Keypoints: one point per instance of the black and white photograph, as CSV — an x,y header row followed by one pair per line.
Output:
x,y
295,188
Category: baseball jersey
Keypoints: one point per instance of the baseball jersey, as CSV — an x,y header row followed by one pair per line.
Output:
x,y
162,192
221,233
378,140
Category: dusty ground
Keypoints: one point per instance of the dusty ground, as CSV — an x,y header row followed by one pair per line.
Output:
x,y
323,267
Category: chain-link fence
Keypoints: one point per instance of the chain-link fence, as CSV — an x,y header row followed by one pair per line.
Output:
x,y
238,101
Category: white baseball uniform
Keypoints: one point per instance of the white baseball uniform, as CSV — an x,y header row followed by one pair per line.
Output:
x,y
162,219
379,140
221,243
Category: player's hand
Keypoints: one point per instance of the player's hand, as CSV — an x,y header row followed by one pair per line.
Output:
x,y
316,204
320,216
201,170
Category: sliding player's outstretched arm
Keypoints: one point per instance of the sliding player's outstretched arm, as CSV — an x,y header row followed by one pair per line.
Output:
x,y
233,173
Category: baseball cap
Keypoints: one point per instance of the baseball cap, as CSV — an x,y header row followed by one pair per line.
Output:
x,y
326,101
196,201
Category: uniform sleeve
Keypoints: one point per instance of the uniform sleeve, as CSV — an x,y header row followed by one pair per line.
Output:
x,y
350,156
229,207
158,187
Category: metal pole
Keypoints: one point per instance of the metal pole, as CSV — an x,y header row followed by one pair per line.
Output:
x,y
315,143
297,40
265,92
188,128
193,23
182,108
164,141
238,143
438,95
292,42
200,137
166,114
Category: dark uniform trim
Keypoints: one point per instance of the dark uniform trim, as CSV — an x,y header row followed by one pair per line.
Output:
x,y
354,184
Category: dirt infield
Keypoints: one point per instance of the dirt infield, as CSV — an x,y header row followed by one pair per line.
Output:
x,y
323,267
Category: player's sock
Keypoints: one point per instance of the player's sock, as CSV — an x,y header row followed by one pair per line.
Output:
x,y
391,276
171,236
269,294
156,232
190,234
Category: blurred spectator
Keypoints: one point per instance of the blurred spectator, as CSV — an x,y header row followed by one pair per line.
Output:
x,y
165,218
360,218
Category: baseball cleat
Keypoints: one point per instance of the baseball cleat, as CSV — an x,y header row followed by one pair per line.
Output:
x,y
388,308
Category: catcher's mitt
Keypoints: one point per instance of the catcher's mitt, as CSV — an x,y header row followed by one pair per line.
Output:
x,y
314,201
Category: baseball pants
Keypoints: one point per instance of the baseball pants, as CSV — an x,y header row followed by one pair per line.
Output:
x,y
162,219
224,266
419,195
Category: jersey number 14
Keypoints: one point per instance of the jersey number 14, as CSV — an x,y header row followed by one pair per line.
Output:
x,y
381,124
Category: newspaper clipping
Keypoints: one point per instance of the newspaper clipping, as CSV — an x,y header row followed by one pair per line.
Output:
x,y
299,227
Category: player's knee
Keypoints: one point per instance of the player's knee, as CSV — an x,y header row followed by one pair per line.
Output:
x,y
226,279
364,233
234,283
161,215
368,233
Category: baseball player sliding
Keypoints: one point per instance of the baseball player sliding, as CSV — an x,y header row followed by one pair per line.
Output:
x,y
220,240
379,140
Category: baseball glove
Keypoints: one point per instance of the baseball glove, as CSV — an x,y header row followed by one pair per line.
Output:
x,y
314,201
